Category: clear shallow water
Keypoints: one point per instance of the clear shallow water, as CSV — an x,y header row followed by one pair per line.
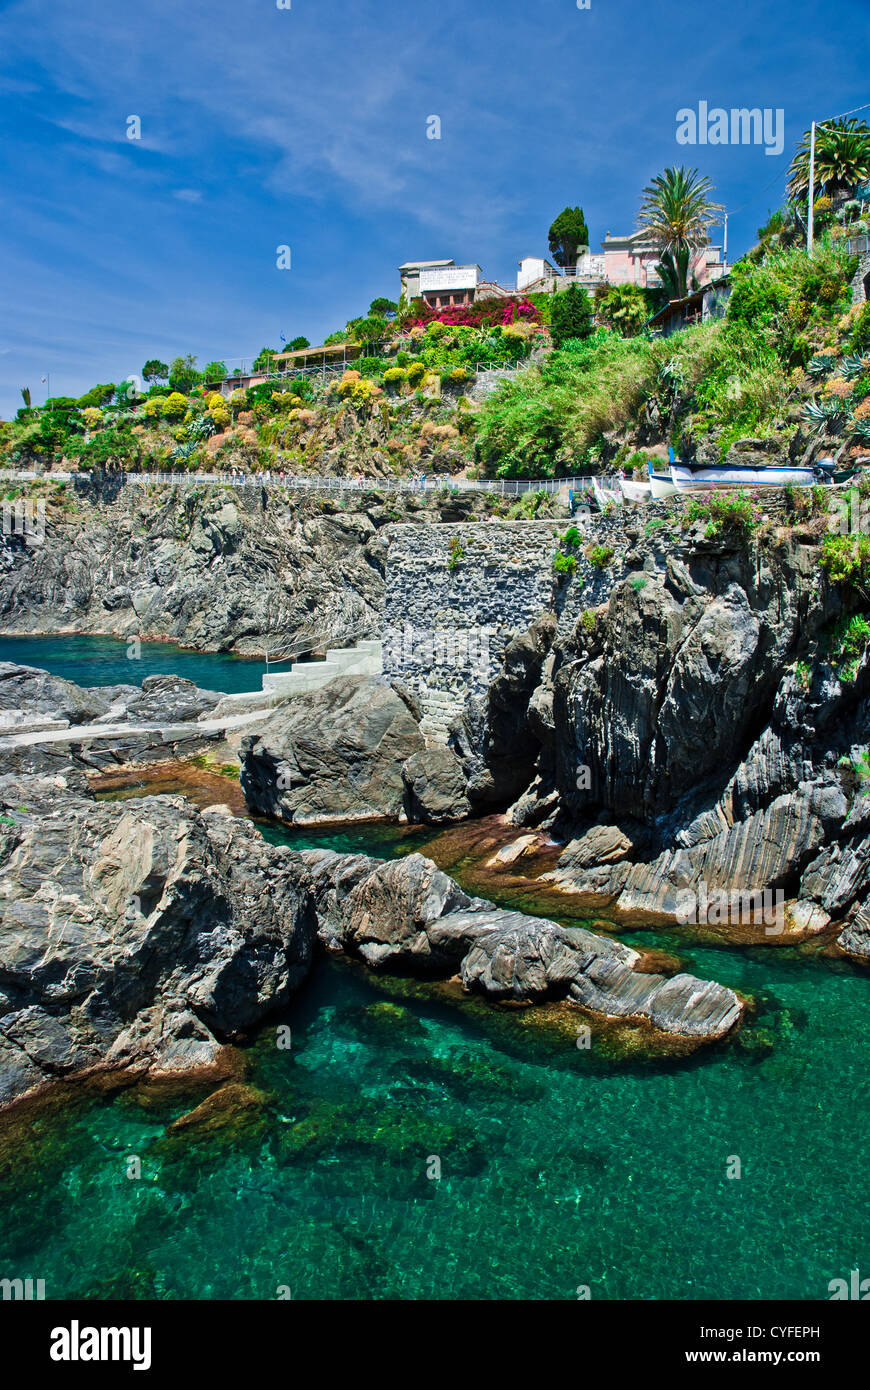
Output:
x,y
91,661
559,1168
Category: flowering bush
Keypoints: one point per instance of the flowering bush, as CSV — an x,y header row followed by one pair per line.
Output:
x,y
359,390
484,313
92,416
154,406
174,405
837,386
219,414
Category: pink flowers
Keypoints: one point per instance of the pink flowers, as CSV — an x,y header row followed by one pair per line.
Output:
x,y
486,313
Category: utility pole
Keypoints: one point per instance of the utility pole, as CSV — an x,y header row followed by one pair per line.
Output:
x,y
725,241
812,183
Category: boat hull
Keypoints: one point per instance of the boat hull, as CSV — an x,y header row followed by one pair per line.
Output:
x,y
661,485
712,479
633,491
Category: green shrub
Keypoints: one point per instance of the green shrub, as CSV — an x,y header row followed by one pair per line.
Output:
x,y
860,337
174,406
803,674
846,559
457,554
723,512
570,315
564,564
847,642
599,556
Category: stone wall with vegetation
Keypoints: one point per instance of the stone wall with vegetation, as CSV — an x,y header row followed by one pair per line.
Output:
x,y
456,594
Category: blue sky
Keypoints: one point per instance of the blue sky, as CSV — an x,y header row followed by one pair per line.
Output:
x,y
307,127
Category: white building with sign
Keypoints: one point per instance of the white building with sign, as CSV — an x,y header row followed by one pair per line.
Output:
x,y
442,286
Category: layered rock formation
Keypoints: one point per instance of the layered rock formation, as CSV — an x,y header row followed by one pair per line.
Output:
x,y
108,725
216,568
137,934
145,935
680,718
410,915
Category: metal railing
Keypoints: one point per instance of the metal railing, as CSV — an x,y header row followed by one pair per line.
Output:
x,y
507,487
858,245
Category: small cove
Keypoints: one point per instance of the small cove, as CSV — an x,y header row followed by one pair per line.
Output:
x,y
559,1167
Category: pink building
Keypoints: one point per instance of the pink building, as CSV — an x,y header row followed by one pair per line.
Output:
x,y
631,260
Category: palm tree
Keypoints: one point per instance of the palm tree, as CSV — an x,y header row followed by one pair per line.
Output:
x,y
842,160
676,213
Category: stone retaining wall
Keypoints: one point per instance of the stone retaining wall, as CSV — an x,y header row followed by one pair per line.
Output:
x,y
456,593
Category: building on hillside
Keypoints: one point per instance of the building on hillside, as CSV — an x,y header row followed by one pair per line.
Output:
x,y
707,302
627,260
447,285
536,273
632,260
409,275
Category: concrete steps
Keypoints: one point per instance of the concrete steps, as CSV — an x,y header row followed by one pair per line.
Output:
x,y
305,676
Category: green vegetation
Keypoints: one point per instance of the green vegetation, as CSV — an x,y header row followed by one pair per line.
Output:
x,y
457,554
622,308
570,316
564,564
847,643
846,560
790,359
722,513
842,159
599,556
567,235
676,213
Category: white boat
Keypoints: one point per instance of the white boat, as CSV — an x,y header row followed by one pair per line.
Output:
x,y
605,493
633,491
712,479
660,484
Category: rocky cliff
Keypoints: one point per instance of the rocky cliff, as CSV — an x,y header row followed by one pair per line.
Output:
x,y
697,736
215,568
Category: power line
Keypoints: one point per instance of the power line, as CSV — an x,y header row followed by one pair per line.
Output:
x,y
844,114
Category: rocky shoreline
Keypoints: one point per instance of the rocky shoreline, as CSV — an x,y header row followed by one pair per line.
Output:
x,y
693,736
146,935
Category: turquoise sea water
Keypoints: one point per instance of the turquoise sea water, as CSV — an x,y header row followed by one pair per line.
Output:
x,y
558,1168
104,661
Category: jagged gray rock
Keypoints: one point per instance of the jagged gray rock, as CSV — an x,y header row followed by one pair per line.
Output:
x,y
410,915
435,786
140,933
336,754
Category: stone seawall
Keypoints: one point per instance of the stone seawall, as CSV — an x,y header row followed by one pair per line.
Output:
x,y
456,593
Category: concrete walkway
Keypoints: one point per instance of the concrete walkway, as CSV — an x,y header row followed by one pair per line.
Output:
x,y
232,712
169,733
